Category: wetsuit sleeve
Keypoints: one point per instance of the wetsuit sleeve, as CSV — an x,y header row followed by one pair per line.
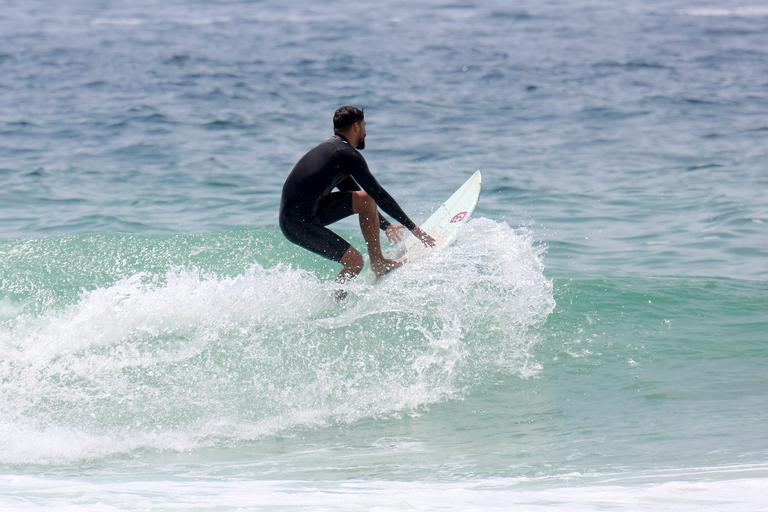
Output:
x,y
359,171
349,184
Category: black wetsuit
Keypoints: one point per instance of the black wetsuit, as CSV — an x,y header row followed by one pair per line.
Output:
x,y
308,203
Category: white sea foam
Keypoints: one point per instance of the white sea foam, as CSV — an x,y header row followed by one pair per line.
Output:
x,y
187,20
126,22
726,12
186,359
736,493
9,309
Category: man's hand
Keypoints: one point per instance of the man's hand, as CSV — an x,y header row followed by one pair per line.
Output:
x,y
425,238
394,233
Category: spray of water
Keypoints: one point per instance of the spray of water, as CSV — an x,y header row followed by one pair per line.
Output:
x,y
188,359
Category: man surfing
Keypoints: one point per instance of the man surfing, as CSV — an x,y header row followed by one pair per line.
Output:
x,y
309,202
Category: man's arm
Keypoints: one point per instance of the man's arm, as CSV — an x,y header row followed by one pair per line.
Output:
x,y
362,176
349,184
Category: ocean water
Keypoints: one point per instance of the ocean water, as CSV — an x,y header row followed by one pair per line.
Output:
x,y
596,339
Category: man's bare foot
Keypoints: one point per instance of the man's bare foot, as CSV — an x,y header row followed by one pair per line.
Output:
x,y
382,267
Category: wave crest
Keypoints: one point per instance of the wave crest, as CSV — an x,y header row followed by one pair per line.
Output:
x,y
187,358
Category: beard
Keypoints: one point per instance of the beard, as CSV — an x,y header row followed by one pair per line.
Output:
x,y
361,143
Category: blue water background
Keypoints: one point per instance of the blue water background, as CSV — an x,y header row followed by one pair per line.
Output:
x,y
632,135
620,339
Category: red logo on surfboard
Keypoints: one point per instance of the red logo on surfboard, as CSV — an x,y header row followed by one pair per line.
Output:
x,y
458,217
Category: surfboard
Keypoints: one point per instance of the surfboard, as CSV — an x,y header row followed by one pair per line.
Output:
x,y
446,222
443,225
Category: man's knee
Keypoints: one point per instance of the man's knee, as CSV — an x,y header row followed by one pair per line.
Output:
x,y
362,202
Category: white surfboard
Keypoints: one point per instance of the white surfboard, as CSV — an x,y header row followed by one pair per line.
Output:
x,y
443,225
446,222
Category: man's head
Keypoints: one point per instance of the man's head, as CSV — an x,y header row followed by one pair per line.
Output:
x,y
349,121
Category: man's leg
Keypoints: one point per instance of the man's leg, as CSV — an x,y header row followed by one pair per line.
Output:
x,y
365,207
352,261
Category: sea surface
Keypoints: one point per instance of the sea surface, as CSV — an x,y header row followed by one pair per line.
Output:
x,y
596,339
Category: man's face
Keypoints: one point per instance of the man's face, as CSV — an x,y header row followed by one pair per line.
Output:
x,y
361,134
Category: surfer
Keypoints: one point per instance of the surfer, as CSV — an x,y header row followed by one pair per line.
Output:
x,y
309,202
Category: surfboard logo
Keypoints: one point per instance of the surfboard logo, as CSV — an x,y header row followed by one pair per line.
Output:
x,y
458,217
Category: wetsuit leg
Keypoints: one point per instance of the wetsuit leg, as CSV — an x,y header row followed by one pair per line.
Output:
x,y
313,236
334,207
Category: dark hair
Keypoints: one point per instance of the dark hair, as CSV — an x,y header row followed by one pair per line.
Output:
x,y
346,116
